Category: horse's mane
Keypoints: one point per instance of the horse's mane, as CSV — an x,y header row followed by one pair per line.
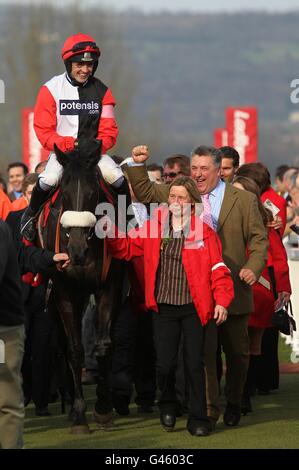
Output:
x,y
80,163
77,168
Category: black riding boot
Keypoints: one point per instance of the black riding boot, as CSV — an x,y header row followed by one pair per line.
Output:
x,y
38,198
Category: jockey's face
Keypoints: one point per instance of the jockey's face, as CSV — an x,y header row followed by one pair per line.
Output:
x,y
81,71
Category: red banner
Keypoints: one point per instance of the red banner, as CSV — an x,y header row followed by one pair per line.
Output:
x,y
220,137
33,153
241,124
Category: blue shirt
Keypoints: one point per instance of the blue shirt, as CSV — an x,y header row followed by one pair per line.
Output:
x,y
216,198
17,194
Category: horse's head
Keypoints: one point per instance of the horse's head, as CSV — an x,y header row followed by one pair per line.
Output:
x,y
80,191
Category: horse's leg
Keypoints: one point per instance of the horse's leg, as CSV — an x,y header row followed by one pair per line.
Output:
x,y
71,314
108,302
59,367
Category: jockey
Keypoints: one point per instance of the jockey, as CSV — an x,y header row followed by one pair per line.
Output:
x,y
71,107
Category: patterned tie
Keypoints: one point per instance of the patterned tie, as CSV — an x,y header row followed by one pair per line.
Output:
x,y
206,215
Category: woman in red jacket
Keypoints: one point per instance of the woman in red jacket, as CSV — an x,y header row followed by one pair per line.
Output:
x,y
274,280
186,285
267,364
277,204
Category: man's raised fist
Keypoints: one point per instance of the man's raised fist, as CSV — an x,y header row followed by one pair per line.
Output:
x,y
140,153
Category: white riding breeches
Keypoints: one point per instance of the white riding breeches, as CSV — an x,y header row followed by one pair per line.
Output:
x,y
52,174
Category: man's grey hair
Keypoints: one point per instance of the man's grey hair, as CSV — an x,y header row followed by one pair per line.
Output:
x,y
204,151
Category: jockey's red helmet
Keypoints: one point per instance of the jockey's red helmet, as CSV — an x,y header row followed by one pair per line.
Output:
x,y
80,48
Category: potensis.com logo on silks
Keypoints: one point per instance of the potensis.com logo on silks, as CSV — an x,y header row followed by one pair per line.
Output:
x,y
74,107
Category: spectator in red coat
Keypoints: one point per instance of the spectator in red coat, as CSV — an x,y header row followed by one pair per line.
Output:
x,y
186,285
5,205
272,288
268,366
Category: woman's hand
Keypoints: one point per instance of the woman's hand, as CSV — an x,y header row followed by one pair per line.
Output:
x,y
283,298
140,153
220,314
62,260
276,223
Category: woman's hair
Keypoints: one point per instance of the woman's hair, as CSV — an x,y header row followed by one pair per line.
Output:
x,y
257,172
190,186
30,178
251,186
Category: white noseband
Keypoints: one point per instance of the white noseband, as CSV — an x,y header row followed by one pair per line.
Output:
x,y
78,219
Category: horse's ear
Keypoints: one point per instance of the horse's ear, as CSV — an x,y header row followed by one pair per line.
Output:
x,y
95,152
61,156
90,151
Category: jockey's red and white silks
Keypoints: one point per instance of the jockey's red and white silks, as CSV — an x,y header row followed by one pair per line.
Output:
x,y
64,112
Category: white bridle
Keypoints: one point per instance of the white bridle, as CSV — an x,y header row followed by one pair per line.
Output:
x,y
78,219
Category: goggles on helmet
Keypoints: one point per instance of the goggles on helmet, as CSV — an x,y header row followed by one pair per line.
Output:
x,y
86,46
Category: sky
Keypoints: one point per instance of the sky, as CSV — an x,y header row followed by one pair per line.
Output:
x,y
179,5
203,5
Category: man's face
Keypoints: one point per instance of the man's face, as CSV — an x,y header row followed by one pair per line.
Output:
x,y
155,176
15,178
81,71
205,173
170,173
279,185
227,169
286,179
294,193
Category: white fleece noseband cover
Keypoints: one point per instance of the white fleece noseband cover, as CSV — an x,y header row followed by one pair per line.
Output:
x,y
78,219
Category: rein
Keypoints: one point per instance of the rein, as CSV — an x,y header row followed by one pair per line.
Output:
x,y
57,232
78,194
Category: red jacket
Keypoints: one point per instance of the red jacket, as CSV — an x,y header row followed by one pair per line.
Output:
x,y
279,202
208,277
5,205
264,297
19,204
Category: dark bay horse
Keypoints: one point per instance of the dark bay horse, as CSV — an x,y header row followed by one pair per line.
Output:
x,y
80,193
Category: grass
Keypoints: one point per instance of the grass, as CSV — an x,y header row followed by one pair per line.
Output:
x,y
273,425
284,352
